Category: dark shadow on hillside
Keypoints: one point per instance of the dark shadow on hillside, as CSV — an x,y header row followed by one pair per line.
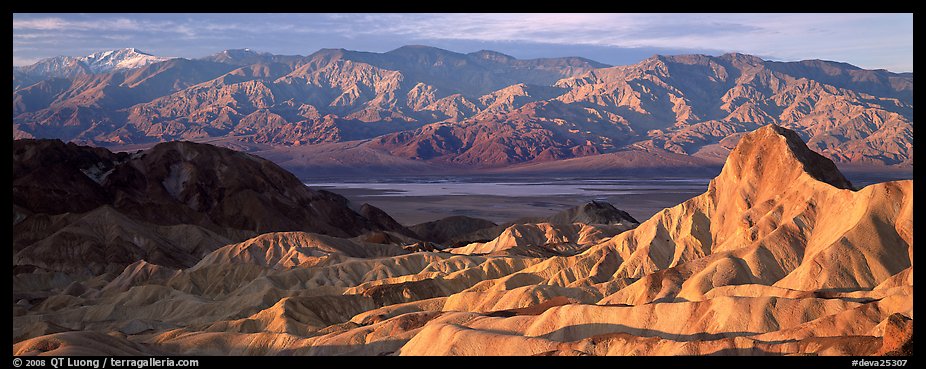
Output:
x,y
595,329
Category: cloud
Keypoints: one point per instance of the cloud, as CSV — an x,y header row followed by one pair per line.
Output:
x,y
619,30
59,24
740,31
843,37
19,61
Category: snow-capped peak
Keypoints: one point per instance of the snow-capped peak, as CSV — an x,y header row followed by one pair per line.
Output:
x,y
119,59
99,62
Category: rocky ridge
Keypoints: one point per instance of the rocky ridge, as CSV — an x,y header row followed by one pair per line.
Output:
x,y
420,104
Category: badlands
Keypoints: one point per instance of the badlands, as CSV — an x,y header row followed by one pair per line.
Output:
x,y
191,249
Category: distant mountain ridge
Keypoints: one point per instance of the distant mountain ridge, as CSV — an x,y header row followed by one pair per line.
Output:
x,y
69,67
478,110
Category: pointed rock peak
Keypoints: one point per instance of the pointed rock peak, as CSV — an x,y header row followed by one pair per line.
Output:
x,y
774,153
742,58
328,55
655,62
594,212
373,213
133,50
518,88
603,208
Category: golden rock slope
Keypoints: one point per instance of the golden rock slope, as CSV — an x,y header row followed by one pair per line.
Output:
x,y
779,256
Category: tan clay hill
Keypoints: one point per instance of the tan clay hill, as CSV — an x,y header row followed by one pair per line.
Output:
x,y
780,256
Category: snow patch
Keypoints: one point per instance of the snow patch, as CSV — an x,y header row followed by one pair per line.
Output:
x,y
101,62
119,59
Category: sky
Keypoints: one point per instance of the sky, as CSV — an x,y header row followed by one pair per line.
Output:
x,y
871,41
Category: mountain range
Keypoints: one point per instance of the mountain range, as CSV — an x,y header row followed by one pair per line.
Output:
x,y
70,67
192,249
421,108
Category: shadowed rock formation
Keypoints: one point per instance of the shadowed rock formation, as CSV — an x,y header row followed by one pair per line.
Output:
x,y
597,219
448,229
77,207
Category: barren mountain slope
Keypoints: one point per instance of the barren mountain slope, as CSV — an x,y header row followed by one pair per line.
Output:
x,y
691,105
331,95
482,110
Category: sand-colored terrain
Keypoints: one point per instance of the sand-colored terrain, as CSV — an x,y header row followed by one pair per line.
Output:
x,y
780,256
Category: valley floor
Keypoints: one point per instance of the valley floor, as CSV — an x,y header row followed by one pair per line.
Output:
x,y
417,199
412,209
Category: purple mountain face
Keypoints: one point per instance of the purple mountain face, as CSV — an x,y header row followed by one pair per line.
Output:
x,y
422,105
